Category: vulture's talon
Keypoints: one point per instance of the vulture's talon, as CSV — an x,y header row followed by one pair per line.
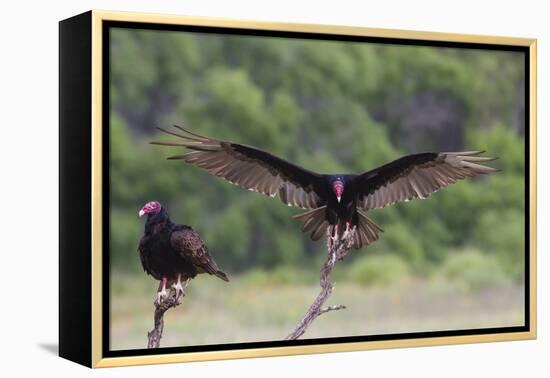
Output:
x,y
346,235
161,297
178,288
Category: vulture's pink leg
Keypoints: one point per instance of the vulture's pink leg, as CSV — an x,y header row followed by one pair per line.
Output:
x,y
346,231
162,294
178,288
334,237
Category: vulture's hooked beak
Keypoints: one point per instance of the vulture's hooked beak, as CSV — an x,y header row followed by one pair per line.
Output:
x,y
338,187
141,213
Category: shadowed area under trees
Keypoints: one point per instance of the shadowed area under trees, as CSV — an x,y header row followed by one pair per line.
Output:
x,y
330,107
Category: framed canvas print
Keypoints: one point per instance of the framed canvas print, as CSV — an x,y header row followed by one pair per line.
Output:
x,y
235,189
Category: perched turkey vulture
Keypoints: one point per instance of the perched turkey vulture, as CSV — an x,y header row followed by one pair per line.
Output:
x,y
172,253
338,202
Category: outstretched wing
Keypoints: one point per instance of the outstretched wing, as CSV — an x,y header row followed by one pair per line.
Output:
x,y
250,168
188,244
417,176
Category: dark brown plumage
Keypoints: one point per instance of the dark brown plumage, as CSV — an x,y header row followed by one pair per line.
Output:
x,y
188,244
338,201
172,253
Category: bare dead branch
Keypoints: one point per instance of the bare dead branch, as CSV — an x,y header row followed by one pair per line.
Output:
x,y
173,300
331,308
337,250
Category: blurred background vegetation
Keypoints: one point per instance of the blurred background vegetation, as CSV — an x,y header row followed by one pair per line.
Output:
x,y
331,107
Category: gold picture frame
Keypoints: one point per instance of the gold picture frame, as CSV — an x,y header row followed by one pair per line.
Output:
x,y
92,25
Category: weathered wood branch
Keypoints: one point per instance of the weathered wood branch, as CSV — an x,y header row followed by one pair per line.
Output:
x,y
337,250
173,300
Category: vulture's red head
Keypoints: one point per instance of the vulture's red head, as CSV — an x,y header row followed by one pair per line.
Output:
x,y
338,188
152,208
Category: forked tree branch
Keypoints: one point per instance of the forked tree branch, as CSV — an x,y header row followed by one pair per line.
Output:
x,y
337,250
173,300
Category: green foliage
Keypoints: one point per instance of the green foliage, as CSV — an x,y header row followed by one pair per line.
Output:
x,y
474,270
123,241
229,243
331,107
382,270
501,142
401,240
282,275
502,235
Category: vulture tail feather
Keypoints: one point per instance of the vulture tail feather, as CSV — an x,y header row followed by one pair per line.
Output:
x,y
368,229
314,222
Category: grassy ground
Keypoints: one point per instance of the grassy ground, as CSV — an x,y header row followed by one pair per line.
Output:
x,y
214,312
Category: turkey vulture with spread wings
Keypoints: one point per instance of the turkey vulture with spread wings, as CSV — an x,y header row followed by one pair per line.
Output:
x,y
337,203
172,253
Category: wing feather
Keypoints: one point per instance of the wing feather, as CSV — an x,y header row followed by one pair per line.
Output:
x,y
249,168
189,245
417,176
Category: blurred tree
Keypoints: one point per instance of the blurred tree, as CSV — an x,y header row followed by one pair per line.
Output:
x,y
329,106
